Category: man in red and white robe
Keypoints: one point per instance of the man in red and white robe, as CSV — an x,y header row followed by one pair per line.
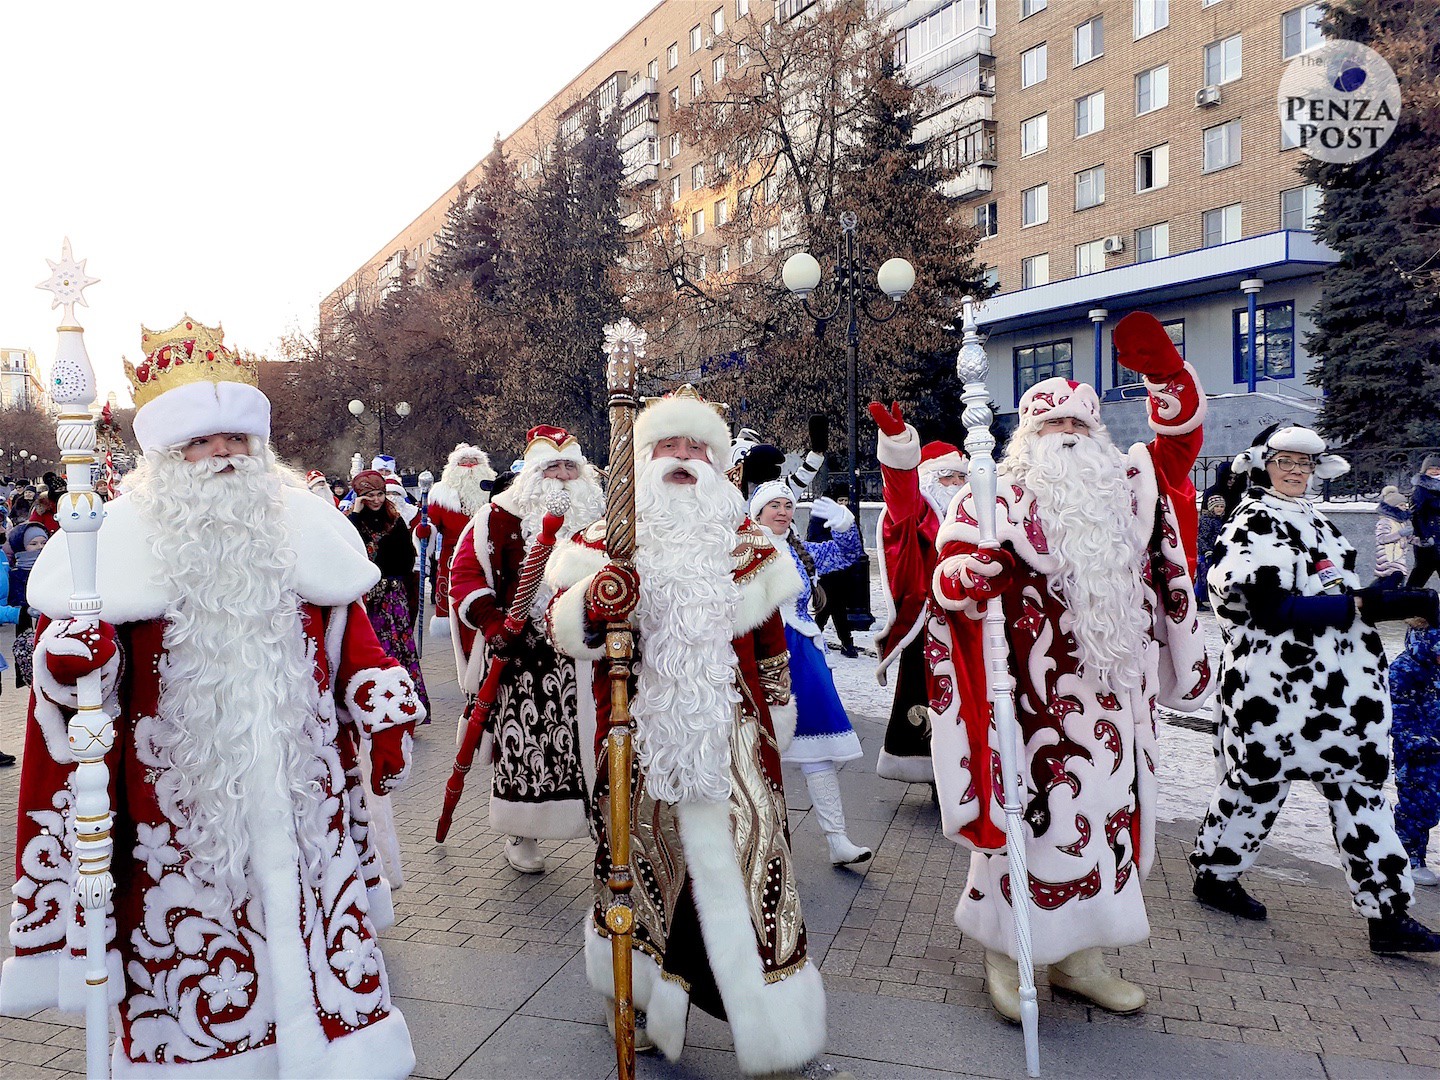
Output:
x,y
919,482
540,732
249,696
463,489
716,900
1100,612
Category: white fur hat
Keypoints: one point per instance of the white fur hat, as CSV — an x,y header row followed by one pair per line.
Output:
x,y
1059,397
202,408
683,412
1297,440
764,493
545,445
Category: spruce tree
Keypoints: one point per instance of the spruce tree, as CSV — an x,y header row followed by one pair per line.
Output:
x,y
469,246
1377,326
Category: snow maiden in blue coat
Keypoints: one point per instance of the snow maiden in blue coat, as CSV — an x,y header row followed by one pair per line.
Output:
x,y
823,735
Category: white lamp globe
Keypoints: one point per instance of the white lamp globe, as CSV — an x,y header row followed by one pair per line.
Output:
x,y
896,278
801,274
402,409
356,407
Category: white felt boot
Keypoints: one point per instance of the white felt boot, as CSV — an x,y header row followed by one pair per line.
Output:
x,y
825,796
524,855
1002,982
1086,975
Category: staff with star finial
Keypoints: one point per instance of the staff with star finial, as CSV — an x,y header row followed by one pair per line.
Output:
x,y
91,731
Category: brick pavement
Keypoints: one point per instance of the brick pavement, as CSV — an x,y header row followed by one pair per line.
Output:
x,y
485,962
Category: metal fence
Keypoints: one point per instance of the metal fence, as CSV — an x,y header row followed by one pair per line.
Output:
x,y
1370,471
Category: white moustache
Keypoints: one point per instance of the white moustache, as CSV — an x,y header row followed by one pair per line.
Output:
x,y
690,466
240,463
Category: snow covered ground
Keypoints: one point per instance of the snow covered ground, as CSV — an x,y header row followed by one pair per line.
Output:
x,y
1186,769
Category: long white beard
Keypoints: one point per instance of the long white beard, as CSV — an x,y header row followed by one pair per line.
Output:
x,y
685,700
938,496
237,717
532,499
468,486
1087,509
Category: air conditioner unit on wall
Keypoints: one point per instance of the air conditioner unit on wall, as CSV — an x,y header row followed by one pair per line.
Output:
x,y
665,164
709,41
1113,244
1207,95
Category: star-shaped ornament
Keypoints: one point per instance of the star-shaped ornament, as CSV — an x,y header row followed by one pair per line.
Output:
x,y
67,282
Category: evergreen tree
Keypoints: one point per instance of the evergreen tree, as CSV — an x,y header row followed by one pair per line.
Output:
x,y
1377,326
469,247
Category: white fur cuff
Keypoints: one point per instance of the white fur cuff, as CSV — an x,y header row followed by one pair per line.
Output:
x,y
383,697
899,451
565,623
783,719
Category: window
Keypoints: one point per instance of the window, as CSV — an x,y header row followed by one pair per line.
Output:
x,y
695,38
1089,40
1298,207
1035,205
1089,258
1030,7
1151,15
717,69
742,8
1288,141
1089,187
720,163
723,265
772,188
1220,226
1152,168
679,235
1090,114
674,189
742,54
674,97
656,199
1222,61
1152,242
701,265
697,223
717,20
1036,363
1222,146
742,200
987,220
1035,270
1034,134
722,213
1032,65
697,176
672,56
1123,376
747,250
1152,89
1274,342
697,85
1300,30
992,278
653,69
674,144
772,239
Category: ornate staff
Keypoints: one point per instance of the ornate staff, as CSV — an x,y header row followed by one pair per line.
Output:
x,y
91,731
624,348
425,482
972,368
532,572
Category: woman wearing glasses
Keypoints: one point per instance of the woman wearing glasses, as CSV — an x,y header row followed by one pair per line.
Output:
x,y
1303,690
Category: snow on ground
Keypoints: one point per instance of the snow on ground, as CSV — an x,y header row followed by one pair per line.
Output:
x,y
1186,770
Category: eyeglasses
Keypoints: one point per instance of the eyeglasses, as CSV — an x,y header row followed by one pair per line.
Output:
x,y
1300,465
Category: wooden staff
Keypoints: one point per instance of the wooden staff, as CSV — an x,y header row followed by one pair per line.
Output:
x,y
972,368
91,731
624,348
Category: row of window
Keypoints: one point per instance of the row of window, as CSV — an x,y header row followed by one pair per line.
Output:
x,y
1300,32
1274,350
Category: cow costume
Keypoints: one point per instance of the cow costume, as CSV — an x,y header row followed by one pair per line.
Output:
x,y
1303,692
464,487
1092,577
540,733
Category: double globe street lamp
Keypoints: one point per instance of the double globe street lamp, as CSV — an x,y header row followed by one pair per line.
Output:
x,y
357,410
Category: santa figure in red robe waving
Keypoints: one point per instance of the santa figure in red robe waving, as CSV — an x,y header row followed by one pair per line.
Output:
x,y
463,489
1094,581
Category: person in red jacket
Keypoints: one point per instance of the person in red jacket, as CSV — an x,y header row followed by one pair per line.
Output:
x,y
464,488
919,482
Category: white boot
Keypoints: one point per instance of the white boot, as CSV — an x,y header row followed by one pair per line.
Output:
x,y
1085,974
825,796
524,855
1002,982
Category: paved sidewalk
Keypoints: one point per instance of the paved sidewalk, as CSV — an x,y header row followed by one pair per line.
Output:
x,y
486,962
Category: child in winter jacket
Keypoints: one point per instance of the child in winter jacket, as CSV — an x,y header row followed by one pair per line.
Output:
x,y
1415,742
1394,537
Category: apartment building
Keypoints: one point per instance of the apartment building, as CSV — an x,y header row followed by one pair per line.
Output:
x,y
1116,155
21,386
1124,155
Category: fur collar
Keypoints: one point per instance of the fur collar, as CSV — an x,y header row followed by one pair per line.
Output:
x,y
331,569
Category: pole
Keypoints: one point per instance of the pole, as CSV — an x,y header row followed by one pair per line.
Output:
x,y
425,482
91,731
624,348
972,368
852,362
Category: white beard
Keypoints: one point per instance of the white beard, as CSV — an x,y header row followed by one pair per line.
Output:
x,y
467,484
533,493
1087,510
235,743
939,496
686,700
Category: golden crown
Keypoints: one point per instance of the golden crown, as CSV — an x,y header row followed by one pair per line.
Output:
x,y
188,352
687,392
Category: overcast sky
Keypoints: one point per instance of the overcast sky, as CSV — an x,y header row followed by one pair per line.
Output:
x,y
239,160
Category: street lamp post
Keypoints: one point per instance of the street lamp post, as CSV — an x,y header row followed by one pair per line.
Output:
x,y
853,292
358,410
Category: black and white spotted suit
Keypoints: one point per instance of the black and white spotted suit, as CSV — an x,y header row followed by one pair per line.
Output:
x,y
1303,696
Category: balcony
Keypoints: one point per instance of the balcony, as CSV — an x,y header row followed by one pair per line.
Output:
x,y
645,174
970,45
971,182
643,88
648,129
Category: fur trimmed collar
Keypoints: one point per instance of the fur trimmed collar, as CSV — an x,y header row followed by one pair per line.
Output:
x,y
331,568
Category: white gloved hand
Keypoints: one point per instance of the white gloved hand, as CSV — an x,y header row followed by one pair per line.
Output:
x,y
835,517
